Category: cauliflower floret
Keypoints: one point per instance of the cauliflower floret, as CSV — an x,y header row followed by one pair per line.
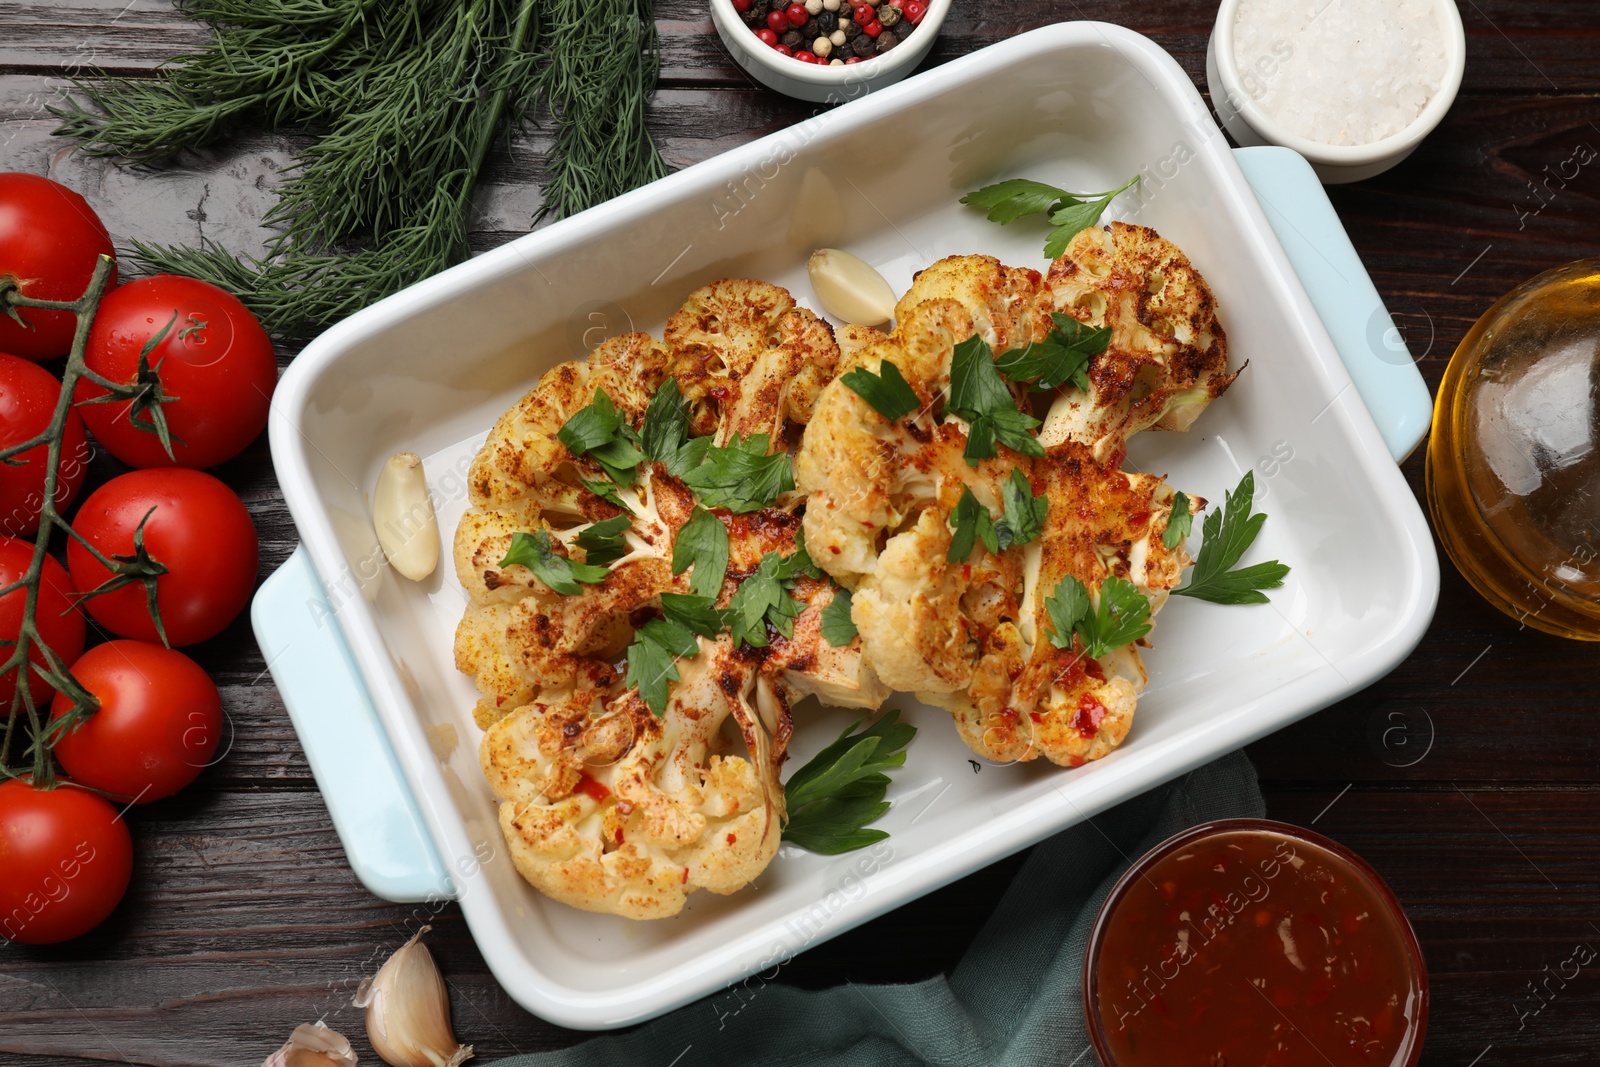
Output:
x,y
1168,356
610,808
1001,301
748,360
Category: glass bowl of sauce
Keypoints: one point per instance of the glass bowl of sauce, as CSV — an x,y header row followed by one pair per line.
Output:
x,y
1514,458
1249,943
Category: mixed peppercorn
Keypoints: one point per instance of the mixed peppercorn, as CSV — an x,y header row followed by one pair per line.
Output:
x,y
832,32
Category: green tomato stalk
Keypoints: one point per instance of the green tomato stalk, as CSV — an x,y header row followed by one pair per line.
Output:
x,y
137,566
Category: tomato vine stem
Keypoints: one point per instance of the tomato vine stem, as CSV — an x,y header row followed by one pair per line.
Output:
x,y
28,639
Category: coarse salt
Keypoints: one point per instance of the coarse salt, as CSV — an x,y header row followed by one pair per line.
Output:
x,y
1342,72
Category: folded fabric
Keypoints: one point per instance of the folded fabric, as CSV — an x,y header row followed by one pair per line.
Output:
x,y
1015,999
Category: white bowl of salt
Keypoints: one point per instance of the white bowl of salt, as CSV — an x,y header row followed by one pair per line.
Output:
x,y
1352,85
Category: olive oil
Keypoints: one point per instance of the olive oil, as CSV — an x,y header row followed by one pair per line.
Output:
x,y
1513,472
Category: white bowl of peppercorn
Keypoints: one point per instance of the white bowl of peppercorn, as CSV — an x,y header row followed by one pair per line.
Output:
x,y
828,51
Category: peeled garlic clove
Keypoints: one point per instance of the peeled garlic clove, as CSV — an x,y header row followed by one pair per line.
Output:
x,y
849,288
408,1011
402,515
313,1045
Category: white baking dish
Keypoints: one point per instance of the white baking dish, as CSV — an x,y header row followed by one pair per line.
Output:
x,y
1082,105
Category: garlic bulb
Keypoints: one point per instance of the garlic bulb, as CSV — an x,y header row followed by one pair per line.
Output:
x,y
850,288
313,1045
402,516
408,1011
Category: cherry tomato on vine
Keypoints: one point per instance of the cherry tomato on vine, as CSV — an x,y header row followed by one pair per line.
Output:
x,y
50,240
214,362
159,722
61,625
28,396
198,530
68,858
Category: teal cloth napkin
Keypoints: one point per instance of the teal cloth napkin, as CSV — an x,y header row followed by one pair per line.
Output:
x,y
1015,999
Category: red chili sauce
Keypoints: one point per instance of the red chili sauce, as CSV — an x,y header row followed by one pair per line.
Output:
x,y
1251,947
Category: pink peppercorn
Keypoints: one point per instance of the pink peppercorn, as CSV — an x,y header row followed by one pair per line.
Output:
x,y
873,28
783,50
797,15
741,6
768,38
778,22
914,11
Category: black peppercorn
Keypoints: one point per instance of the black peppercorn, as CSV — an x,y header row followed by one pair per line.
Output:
x,y
793,39
851,29
864,46
811,30
777,5
886,41
755,17
827,22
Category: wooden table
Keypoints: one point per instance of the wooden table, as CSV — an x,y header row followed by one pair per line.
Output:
x,y
244,920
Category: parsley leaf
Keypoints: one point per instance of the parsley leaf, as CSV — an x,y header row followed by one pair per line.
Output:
x,y
666,423
599,432
887,391
1025,513
602,542
741,477
1063,356
979,395
652,659
840,790
703,542
606,491
1014,198
1122,617
697,613
763,598
536,551
838,629
1007,201
1229,532
1179,523
972,523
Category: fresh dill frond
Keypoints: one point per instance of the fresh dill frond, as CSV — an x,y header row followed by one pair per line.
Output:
x,y
406,99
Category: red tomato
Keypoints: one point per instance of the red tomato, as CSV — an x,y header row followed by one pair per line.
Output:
x,y
68,858
60,624
50,240
28,396
215,360
199,531
159,721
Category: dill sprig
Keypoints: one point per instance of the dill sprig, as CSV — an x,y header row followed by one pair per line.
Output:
x,y
407,98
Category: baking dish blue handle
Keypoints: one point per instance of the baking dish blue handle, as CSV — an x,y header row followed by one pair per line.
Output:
x,y
373,811
1372,348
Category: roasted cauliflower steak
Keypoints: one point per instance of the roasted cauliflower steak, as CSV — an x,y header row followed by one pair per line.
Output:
x,y
974,636
605,804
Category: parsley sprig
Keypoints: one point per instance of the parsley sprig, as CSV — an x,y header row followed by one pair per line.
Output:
x,y
1122,616
600,432
972,523
979,395
887,391
666,432
763,598
838,628
1025,513
1229,533
1179,522
603,542
842,788
653,659
741,476
1070,213
536,551
703,544
1062,357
